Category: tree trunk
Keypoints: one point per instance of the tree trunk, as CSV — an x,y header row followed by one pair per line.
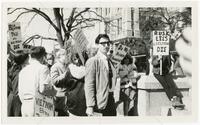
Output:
x,y
59,30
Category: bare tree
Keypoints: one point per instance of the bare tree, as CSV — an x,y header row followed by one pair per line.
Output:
x,y
79,17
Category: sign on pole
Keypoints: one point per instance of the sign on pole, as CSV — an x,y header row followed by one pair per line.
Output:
x,y
119,54
44,105
15,39
161,43
80,43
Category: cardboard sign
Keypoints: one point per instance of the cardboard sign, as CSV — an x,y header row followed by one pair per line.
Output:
x,y
27,47
119,54
81,43
161,43
15,39
44,105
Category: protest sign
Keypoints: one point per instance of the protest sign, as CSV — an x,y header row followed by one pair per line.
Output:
x,y
15,39
119,54
26,47
44,105
161,43
80,43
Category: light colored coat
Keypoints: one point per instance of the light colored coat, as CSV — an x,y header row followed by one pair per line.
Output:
x,y
58,76
97,82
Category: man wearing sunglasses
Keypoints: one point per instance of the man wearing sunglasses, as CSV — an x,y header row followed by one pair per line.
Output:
x,y
98,80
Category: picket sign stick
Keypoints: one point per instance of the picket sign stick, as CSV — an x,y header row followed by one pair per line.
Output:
x,y
161,65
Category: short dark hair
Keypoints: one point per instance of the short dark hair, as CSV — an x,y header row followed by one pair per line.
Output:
x,y
101,36
38,52
20,57
129,58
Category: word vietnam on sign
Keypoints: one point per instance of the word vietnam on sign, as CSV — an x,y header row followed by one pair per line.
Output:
x,y
161,43
81,43
119,54
15,39
44,105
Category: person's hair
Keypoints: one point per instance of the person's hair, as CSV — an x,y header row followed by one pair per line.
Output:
x,y
129,58
51,56
75,54
20,57
60,52
101,36
38,52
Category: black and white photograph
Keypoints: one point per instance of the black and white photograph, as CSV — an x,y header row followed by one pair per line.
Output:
x,y
99,60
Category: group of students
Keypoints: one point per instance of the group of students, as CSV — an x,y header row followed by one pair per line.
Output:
x,y
78,89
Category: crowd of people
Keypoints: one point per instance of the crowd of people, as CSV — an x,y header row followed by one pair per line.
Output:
x,y
80,88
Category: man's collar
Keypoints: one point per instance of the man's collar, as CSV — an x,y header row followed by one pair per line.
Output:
x,y
34,61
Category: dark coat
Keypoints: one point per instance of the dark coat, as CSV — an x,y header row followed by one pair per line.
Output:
x,y
14,103
76,102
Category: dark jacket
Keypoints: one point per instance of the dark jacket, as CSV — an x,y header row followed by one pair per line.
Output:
x,y
76,102
14,103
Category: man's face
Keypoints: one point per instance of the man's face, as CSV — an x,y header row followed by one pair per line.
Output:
x,y
104,45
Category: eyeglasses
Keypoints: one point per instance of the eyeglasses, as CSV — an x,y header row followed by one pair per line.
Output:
x,y
105,43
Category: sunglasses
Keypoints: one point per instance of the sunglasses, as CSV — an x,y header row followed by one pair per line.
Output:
x,y
106,42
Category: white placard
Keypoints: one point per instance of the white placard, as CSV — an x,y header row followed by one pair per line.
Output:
x,y
44,105
80,43
161,43
15,39
119,54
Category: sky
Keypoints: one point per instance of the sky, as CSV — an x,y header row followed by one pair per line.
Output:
x,y
40,26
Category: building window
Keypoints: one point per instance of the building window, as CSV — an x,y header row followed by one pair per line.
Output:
x,y
106,11
119,26
100,11
107,28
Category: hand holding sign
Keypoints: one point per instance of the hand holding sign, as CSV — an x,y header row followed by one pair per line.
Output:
x,y
161,45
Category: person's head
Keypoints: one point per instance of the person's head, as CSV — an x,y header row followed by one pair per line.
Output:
x,y
50,59
103,42
127,60
21,58
61,55
92,50
38,53
75,58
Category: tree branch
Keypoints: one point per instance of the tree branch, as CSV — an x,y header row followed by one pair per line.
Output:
x,y
82,27
31,20
62,21
97,14
21,15
16,10
85,10
37,37
71,17
45,16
